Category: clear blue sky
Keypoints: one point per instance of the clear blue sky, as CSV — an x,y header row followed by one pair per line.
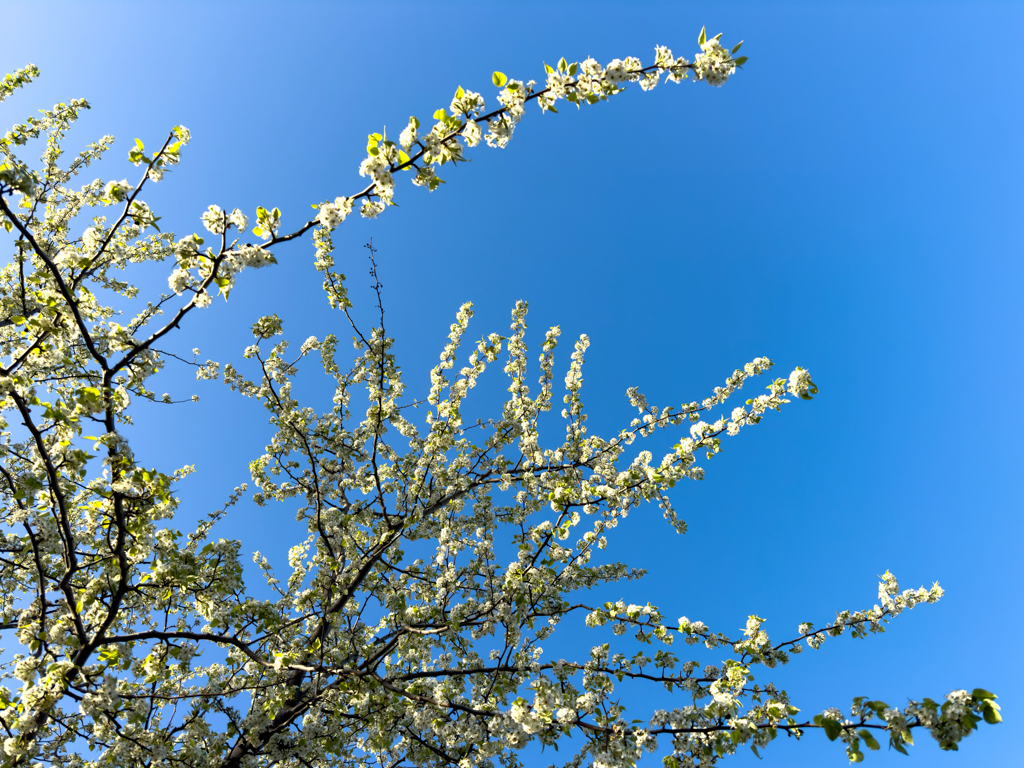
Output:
x,y
850,203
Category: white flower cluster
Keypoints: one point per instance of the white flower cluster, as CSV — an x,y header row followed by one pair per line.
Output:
x,y
331,215
115,191
92,239
218,221
377,166
895,602
142,215
239,220
714,64
215,220
220,269
800,384
513,98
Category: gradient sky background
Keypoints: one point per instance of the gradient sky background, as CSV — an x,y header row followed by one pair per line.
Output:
x,y
850,202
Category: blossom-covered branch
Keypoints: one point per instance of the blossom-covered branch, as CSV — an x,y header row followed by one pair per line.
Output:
x,y
439,552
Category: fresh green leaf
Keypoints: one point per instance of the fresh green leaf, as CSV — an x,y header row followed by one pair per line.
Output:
x,y
741,61
703,36
499,79
832,728
736,47
870,740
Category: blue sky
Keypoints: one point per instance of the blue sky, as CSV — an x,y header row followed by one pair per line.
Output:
x,y
849,202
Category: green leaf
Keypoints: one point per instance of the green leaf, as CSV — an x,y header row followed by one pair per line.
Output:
x,y
832,728
703,36
741,61
574,68
981,693
856,757
499,79
563,65
460,93
257,231
991,715
440,114
870,740
736,47
878,707
548,68
138,143
402,157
